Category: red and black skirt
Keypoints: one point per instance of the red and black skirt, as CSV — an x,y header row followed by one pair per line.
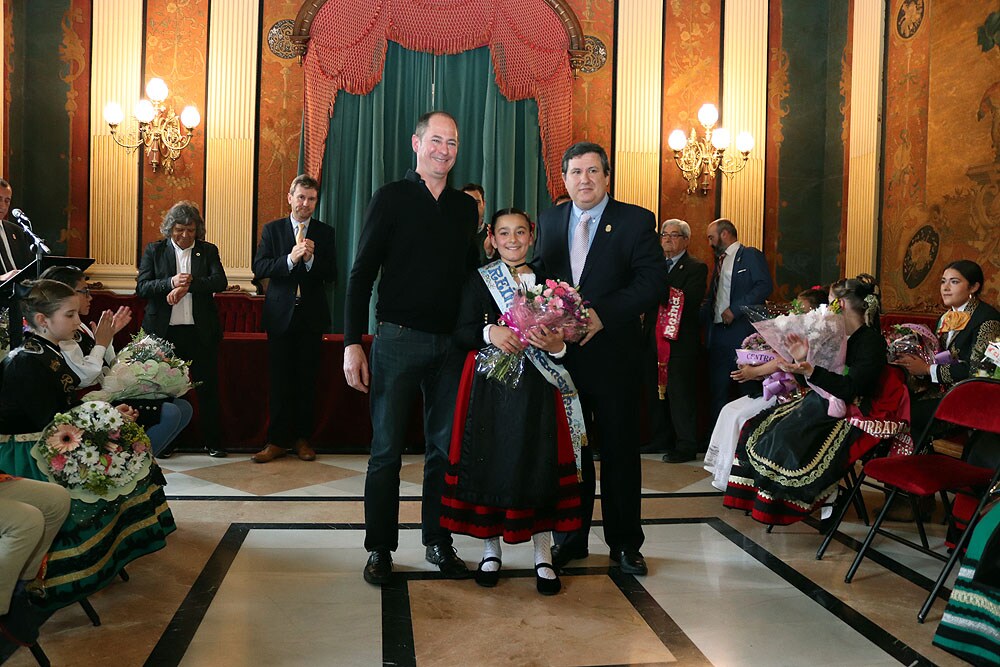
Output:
x,y
511,471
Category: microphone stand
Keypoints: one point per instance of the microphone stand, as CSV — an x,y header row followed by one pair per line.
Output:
x,y
39,246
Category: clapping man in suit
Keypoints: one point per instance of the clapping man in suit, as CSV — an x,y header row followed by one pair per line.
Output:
x,y
674,412
179,276
297,256
741,278
609,249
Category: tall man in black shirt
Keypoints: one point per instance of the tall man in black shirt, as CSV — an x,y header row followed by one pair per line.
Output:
x,y
420,234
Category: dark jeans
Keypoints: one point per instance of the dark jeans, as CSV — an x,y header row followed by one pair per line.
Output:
x,y
611,422
293,362
204,358
403,362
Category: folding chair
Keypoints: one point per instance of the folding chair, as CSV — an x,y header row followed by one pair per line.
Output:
x,y
970,404
889,420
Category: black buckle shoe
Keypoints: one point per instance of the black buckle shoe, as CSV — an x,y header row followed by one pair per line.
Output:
x,y
630,561
488,579
378,571
446,558
546,586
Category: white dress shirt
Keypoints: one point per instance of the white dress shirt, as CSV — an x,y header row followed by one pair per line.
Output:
x,y
88,368
183,311
726,281
295,235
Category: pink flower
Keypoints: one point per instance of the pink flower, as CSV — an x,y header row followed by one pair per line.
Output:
x,y
114,435
547,292
58,462
139,447
539,299
66,438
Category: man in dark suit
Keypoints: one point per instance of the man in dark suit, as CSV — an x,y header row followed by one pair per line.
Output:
x,y
298,257
178,277
15,254
609,249
741,278
487,253
674,413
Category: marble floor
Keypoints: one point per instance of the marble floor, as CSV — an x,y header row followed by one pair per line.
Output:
x,y
265,569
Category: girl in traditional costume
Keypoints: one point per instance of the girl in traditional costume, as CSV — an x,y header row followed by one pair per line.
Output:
x,y
512,472
790,457
99,538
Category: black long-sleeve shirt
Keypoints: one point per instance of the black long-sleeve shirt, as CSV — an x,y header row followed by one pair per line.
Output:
x,y
424,249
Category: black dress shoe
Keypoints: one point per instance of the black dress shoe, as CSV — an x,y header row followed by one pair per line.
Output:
x,y
674,456
216,452
167,452
562,554
446,558
378,571
630,561
488,579
546,586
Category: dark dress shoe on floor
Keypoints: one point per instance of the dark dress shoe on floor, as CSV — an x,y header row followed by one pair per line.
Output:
x,y
167,452
303,450
268,454
675,456
446,558
654,447
546,586
378,571
216,452
562,554
488,579
630,561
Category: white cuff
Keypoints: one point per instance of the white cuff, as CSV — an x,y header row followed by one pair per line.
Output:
x,y
934,375
486,333
560,354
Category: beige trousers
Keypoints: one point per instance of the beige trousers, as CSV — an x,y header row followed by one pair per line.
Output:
x,y
31,513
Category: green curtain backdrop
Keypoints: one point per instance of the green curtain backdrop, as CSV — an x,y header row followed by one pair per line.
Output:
x,y
369,143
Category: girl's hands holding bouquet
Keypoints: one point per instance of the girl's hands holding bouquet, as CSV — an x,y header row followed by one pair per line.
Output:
x,y
128,412
550,340
505,339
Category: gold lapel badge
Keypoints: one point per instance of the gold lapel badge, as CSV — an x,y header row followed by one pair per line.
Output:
x,y
607,228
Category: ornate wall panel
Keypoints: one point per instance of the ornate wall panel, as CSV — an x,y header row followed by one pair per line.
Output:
x,y
75,55
593,93
114,179
691,69
637,123
942,152
280,116
230,129
176,44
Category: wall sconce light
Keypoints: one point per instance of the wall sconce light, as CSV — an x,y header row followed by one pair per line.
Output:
x,y
699,160
158,129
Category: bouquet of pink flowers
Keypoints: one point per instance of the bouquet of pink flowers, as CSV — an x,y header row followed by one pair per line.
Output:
x,y
554,305
93,451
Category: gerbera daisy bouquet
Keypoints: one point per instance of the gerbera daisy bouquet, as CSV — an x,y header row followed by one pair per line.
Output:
x,y
555,305
93,451
146,369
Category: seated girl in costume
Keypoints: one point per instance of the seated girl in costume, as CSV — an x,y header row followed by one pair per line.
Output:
x,y
99,538
511,470
722,445
91,351
791,456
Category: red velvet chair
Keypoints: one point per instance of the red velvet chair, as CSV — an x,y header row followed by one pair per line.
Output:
x,y
971,404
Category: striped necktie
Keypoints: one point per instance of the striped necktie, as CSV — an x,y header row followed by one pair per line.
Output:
x,y
580,247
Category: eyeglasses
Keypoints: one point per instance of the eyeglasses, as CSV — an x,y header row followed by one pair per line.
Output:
x,y
672,235
85,291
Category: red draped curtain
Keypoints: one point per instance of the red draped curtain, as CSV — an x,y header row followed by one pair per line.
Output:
x,y
528,44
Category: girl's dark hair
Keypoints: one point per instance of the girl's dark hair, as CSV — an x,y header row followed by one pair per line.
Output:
x,y
970,271
45,297
815,296
510,211
861,294
70,275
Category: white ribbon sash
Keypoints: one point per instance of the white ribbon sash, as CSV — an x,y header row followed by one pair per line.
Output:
x,y
502,287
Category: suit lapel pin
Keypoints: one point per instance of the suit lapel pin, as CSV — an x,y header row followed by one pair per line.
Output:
x,y
607,228
197,254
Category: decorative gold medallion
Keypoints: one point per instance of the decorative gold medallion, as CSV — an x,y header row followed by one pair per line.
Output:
x,y
607,228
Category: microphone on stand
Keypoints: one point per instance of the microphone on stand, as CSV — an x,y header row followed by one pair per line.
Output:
x,y
21,217
39,244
